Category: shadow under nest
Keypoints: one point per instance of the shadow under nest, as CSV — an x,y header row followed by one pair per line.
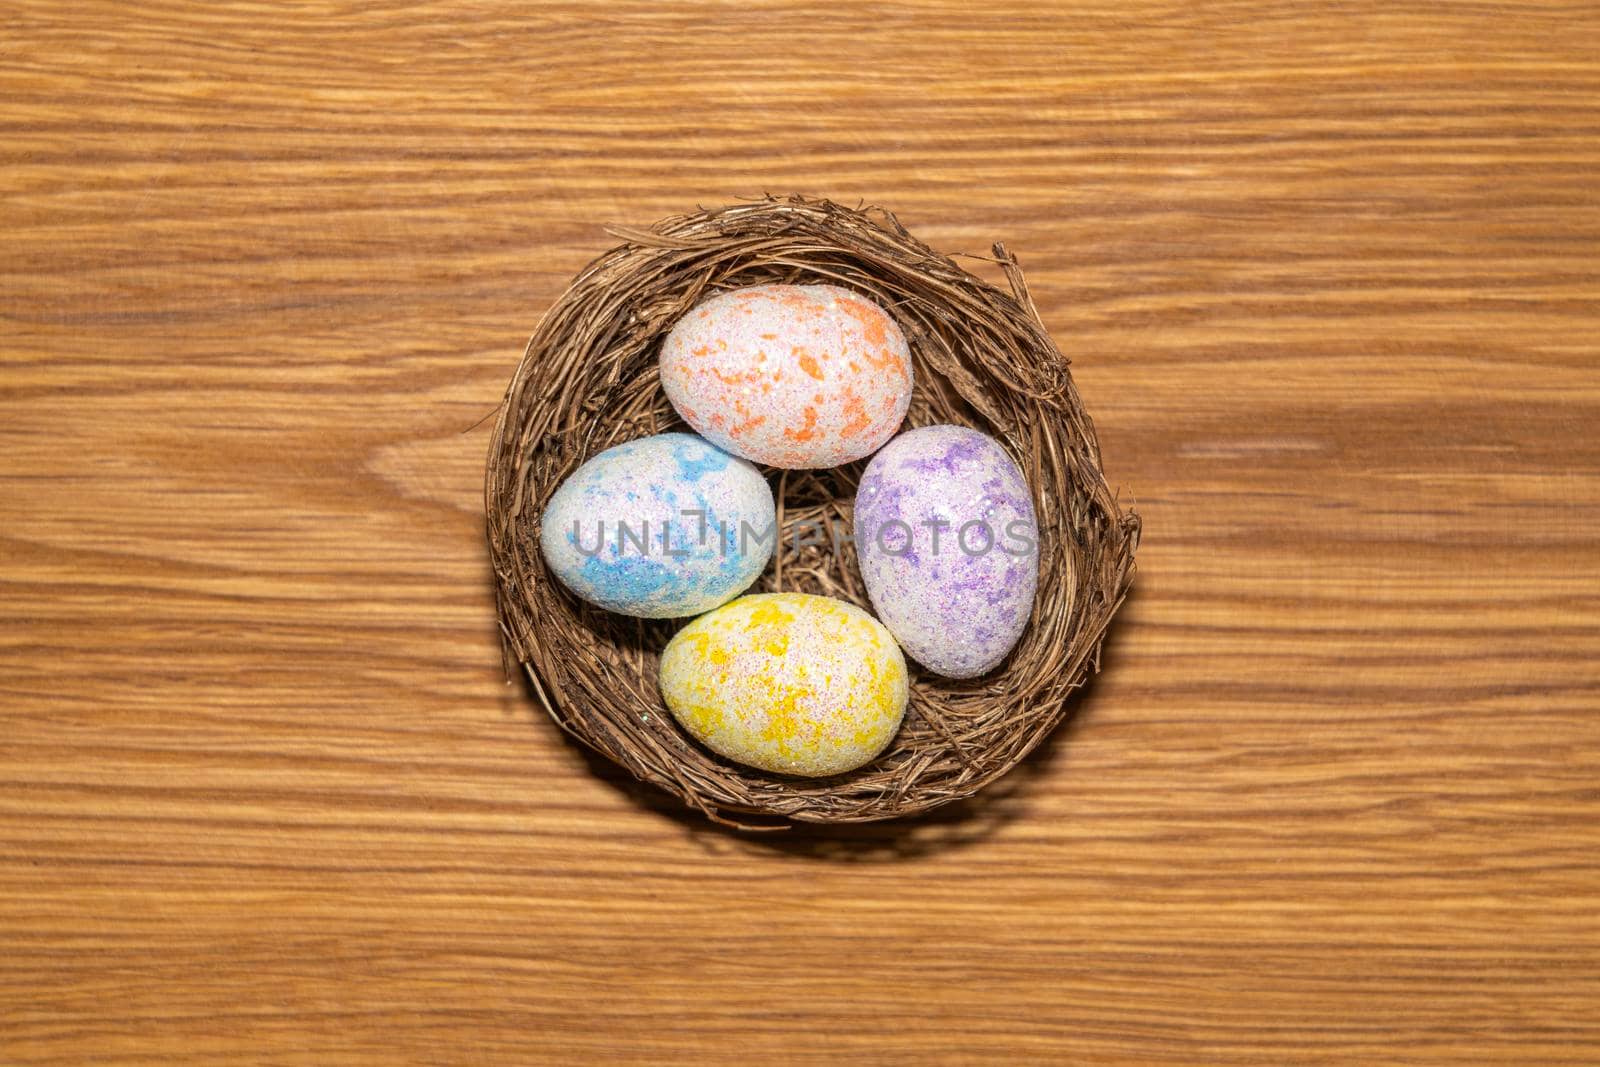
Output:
x,y
588,380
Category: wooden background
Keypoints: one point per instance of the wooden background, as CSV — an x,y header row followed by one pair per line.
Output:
x,y
1330,276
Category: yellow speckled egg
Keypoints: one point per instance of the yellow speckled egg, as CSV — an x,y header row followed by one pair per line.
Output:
x,y
788,682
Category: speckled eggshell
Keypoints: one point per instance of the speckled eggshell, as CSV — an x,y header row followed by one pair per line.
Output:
x,y
787,682
625,531
796,376
955,608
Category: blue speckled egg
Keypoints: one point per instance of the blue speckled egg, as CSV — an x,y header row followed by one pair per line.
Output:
x,y
945,534
659,528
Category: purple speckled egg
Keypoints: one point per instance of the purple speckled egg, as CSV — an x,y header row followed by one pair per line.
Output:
x,y
945,531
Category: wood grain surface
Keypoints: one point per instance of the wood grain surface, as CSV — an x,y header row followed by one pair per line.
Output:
x,y
1330,277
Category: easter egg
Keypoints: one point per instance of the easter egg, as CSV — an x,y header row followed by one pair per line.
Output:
x,y
661,527
787,682
793,376
948,547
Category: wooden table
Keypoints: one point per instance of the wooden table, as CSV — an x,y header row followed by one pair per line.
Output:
x,y
1330,277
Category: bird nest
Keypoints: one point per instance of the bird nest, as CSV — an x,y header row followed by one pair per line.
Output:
x,y
588,380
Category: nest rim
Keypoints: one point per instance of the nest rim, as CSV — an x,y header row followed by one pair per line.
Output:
x,y
982,357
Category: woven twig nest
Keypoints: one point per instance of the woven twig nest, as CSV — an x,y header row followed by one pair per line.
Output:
x,y
588,380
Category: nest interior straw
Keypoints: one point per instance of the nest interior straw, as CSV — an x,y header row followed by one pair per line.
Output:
x,y
588,380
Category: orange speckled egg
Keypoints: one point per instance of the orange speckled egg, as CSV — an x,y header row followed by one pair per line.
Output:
x,y
796,376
